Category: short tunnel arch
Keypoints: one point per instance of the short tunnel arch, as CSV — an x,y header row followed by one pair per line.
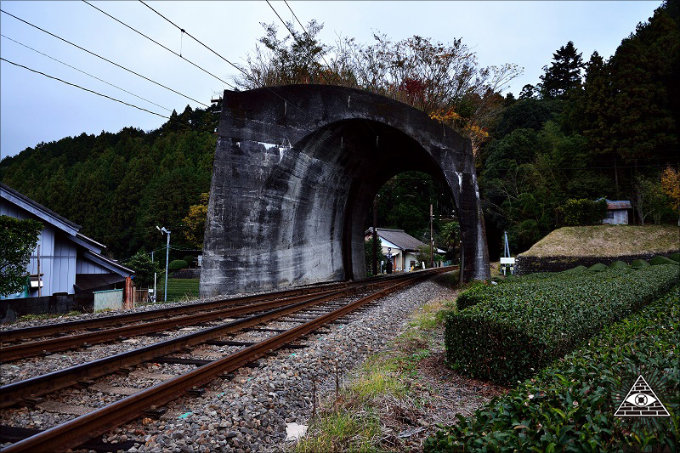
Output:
x,y
296,169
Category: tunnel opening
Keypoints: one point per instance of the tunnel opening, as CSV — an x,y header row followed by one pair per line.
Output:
x,y
293,186
402,216
368,154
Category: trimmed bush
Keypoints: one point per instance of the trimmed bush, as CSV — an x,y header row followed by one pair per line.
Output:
x,y
619,265
575,270
570,406
661,260
515,329
176,265
599,267
639,264
675,257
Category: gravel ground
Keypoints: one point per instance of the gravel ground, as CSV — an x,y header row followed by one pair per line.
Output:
x,y
249,412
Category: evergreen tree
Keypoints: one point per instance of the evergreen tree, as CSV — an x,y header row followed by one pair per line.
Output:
x,y
564,74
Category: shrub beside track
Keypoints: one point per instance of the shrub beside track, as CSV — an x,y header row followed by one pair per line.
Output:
x,y
511,330
570,406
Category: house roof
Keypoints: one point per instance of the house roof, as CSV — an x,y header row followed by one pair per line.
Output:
x,y
71,229
90,282
38,210
618,204
399,238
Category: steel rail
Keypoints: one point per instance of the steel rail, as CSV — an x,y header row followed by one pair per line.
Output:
x,y
75,432
40,331
14,393
36,348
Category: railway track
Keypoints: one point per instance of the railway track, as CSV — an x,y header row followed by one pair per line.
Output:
x,y
308,311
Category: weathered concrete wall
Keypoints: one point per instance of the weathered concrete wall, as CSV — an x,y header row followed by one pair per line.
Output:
x,y
295,173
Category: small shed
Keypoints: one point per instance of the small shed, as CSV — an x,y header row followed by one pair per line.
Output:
x,y
617,212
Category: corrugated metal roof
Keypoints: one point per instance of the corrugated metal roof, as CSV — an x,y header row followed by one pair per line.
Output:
x,y
399,238
619,204
36,208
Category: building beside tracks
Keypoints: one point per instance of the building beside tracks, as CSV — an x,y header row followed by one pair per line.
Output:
x,y
72,267
403,248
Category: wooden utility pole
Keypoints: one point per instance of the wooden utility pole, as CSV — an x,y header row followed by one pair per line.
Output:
x,y
375,236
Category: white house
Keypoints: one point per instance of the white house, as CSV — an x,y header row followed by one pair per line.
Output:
x,y
402,246
69,261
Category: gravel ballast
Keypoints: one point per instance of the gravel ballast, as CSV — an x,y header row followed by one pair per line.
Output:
x,y
249,412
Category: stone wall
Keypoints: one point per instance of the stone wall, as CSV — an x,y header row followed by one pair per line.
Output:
x,y
533,264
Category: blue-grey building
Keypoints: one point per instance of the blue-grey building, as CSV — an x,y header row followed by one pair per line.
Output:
x,y
70,262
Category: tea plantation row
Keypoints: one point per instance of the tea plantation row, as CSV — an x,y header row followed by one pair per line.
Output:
x,y
570,406
511,330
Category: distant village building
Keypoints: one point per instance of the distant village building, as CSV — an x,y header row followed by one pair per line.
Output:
x,y
617,212
70,262
402,246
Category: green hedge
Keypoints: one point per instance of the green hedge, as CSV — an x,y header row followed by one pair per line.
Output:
x,y
176,265
515,329
570,406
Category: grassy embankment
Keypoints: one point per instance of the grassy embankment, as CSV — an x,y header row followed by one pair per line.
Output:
x,y
607,241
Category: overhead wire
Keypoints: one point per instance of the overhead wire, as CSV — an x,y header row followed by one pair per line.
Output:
x,y
248,76
184,32
103,58
83,88
158,43
84,72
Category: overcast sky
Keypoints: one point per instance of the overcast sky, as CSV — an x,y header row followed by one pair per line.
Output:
x,y
36,109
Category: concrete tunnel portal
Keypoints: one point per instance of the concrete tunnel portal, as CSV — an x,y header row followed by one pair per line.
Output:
x,y
295,172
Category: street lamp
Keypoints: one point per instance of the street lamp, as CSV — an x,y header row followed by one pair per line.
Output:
x,y
167,257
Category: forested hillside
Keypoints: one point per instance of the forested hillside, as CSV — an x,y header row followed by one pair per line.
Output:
x,y
587,129
120,186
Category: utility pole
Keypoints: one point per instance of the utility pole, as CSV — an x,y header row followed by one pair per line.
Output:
x,y
375,236
431,238
154,278
167,257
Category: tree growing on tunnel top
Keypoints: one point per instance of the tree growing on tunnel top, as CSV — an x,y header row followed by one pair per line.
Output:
x,y
443,80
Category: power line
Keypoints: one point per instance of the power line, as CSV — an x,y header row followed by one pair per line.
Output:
x,y
196,39
158,43
82,88
103,58
248,76
86,73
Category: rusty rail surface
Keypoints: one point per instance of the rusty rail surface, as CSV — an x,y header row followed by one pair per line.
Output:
x,y
107,321
14,393
75,432
36,348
